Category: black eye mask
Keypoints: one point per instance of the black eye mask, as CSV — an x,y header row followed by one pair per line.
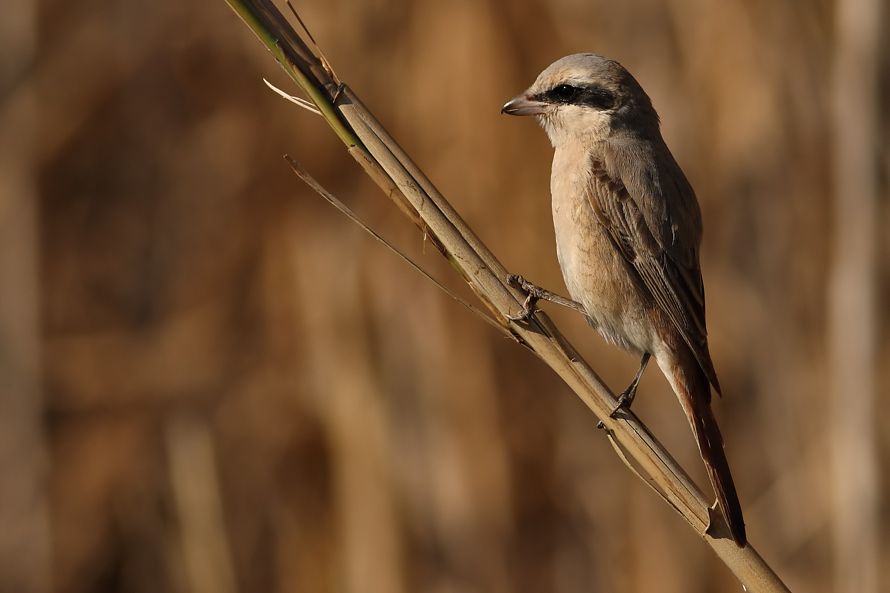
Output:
x,y
588,96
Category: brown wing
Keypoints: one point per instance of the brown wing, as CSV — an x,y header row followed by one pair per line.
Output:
x,y
643,200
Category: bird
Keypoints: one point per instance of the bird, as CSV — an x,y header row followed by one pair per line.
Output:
x,y
628,232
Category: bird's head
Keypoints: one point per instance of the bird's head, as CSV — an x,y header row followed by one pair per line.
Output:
x,y
586,96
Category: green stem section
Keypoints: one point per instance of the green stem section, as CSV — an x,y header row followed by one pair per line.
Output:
x,y
263,23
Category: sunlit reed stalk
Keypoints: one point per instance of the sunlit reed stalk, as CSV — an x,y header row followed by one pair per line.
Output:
x,y
403,182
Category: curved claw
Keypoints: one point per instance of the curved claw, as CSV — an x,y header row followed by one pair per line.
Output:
x,y
624,400
528,309
525,286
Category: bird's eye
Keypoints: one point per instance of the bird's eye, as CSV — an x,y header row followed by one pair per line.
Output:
x,y
564,93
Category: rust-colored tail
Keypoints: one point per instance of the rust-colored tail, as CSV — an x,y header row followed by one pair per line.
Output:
x,y
694,391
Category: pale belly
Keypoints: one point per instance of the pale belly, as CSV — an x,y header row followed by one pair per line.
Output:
x,y
597,276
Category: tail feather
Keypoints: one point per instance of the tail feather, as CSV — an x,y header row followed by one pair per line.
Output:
x,y
693,390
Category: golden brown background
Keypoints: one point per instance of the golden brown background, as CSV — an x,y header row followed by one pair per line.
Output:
x,y
211,382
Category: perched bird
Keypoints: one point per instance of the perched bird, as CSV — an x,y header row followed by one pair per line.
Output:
x,y
628,230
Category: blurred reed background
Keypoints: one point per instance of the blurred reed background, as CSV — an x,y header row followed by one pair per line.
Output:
x,y
211,382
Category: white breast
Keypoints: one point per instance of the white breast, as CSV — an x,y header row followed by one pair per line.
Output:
x,y
594,272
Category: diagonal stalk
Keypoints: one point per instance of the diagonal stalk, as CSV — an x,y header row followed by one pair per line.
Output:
x,y
394,172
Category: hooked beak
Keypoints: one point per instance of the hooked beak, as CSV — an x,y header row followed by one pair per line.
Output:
x,y
522,105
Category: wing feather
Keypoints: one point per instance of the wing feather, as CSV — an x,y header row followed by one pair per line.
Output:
x,y
647,207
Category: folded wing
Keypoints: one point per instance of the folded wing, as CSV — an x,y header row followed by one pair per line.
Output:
x,y
643,200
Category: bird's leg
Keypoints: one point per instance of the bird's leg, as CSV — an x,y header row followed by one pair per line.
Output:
x,y
534,294
627,396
